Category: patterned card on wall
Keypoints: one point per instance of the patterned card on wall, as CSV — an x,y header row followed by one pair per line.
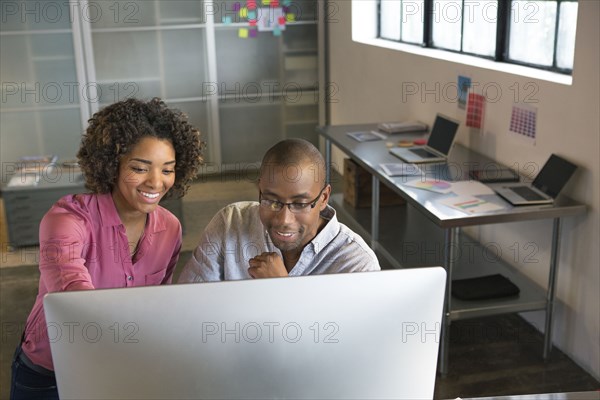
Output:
x,y
475,110
523,121
464,84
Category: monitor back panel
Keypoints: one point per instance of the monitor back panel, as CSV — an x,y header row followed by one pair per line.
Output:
x,y
362,335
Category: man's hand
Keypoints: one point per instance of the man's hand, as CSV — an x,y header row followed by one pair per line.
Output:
x,y
267,265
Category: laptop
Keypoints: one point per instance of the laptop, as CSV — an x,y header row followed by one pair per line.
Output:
x,y
548,183
437,147
341,336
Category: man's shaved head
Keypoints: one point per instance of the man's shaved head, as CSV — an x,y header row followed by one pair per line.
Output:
x,y
294,154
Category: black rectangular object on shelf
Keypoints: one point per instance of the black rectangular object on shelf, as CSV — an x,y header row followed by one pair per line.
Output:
x,y
484,287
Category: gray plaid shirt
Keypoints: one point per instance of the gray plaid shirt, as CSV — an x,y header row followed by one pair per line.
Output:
x,y
236,234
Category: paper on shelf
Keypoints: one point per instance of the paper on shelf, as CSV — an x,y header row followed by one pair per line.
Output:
x,y
405,126
401,169
460,188
470,204
366,136
470,188
24,180
433,185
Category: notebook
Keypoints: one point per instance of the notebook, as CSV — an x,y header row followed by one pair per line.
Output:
x,y
494,175
548,183
340,336
437,147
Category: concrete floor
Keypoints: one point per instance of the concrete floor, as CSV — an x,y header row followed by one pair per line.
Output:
x,y
488,356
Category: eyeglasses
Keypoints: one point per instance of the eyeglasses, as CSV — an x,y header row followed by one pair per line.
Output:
x,y
295,208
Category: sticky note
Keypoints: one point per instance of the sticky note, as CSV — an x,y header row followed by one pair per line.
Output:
x,y
243,12
274,3
252,22
236,7
251,14
276,31
290,17
266,2
253,33
227,20
243,33
281,20
287,2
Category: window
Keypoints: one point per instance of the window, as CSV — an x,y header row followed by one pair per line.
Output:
x,y
539,34
411,15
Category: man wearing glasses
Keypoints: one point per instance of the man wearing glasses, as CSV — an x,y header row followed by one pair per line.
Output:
x,y
290,231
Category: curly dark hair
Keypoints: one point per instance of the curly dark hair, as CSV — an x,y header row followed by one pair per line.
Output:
x,y
113,131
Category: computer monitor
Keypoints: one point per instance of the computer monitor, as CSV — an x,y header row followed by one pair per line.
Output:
x,y
360,335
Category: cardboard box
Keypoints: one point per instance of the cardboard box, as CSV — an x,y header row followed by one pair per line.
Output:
x,y
358,188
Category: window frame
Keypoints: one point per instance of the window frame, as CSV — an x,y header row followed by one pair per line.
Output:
x,y
502,35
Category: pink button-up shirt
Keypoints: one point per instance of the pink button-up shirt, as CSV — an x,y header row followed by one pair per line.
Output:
x,y
83,245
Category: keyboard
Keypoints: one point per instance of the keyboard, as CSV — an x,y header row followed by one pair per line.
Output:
x,y
526,193
424,153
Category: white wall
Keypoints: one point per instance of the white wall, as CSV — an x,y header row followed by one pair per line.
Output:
x,y
370,82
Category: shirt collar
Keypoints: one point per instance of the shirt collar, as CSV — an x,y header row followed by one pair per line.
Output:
x,y
329,231
107,210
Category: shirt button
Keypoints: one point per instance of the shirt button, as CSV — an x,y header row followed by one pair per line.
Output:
x,y
129,277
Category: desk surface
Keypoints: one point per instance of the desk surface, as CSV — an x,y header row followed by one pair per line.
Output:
x,y
546,396
59,178
370,154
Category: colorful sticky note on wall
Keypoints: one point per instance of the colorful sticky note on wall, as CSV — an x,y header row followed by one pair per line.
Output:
x,y
251,14
253,33
266,2
276,31
243,12
475,110
243,33
236,7
290,17
227,20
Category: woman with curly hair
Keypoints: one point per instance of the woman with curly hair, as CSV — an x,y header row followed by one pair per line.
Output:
x,y
132,154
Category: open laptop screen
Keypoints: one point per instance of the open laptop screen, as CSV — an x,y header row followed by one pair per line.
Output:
x,y
554,175
442,134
